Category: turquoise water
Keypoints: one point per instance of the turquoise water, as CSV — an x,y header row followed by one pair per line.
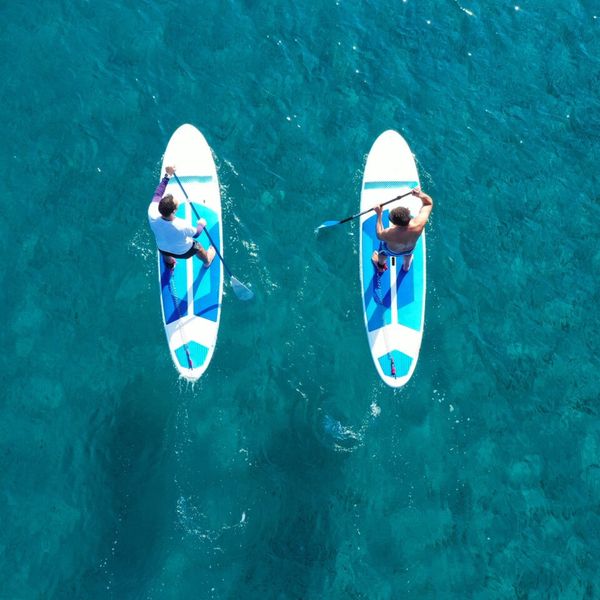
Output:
x,y
290,470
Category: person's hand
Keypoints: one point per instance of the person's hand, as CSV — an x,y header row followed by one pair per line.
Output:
x,y
170,171
417,191
378,210
201,224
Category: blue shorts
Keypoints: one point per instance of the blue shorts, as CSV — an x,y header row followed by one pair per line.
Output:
x,y
383,249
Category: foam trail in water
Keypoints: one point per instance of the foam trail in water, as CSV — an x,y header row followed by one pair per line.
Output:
x,y
344,438
465,10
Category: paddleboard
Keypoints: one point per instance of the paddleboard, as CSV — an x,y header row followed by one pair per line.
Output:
x,y
394,302
191,294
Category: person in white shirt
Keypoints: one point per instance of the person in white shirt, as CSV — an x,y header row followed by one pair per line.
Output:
x,y
174,237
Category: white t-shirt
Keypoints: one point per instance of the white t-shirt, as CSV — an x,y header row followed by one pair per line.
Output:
x,y
174,236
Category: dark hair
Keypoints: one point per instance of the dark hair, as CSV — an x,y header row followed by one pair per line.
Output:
x,y
400,216
166,206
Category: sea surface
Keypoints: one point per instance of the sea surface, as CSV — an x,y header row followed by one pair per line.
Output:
x,y
290,471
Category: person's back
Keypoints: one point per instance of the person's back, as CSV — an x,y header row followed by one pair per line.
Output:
x,y
401,238
173,235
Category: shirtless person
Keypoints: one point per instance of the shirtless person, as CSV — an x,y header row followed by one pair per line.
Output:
x,y
401,237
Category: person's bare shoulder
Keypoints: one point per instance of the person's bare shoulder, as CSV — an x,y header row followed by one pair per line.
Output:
x,y
421,219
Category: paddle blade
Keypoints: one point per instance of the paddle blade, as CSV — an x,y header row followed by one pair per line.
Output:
x,y
327,224
241,291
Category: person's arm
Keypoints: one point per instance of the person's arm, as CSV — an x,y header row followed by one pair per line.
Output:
x,y
426,209
159,192
382,232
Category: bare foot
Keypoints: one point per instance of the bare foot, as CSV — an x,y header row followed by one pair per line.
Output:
x,y
407,263
210,255
381,268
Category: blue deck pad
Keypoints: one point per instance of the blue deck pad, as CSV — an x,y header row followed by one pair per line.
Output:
x,y
385,185
376,292
206,281
193,179
402,362
175,306
198,354
409,288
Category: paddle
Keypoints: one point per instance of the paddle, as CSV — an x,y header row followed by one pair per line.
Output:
x,y
241,291
332,223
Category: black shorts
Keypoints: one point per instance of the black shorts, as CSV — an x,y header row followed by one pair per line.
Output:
x,y
191,252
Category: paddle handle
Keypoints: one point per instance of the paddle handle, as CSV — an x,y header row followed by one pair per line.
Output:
x,y
364,212
206,228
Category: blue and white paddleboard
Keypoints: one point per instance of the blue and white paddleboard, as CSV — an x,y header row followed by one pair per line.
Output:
x,y
191,294
394,302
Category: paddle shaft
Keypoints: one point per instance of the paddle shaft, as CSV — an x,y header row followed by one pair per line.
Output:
x,y
206,228
364,212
